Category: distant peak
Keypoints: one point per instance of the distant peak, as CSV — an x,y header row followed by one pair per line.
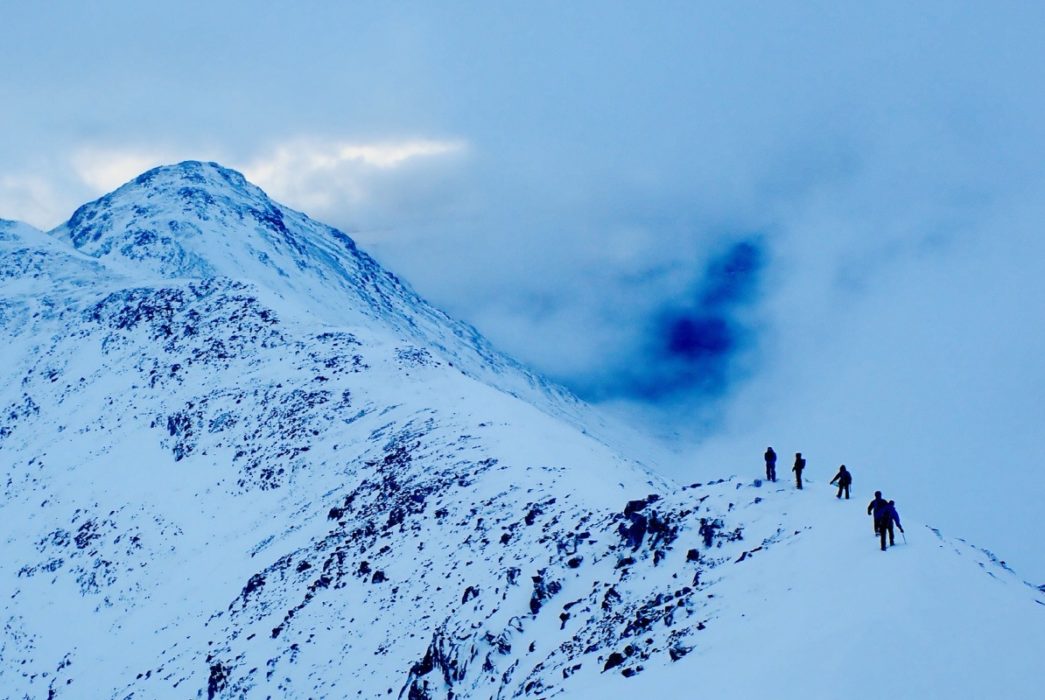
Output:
x,y
14,227
194,187
157,214
191,171
14,223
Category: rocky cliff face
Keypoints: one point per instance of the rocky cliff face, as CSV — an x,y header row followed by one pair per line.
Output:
x,y
241,460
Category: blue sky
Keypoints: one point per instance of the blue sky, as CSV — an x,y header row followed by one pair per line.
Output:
x,y
815,225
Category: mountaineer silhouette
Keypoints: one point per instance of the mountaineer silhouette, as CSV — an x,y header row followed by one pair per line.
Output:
x,y
844,479
800,464
888,518
770,464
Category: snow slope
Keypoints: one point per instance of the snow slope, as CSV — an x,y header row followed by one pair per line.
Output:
x,y
241,460
829,615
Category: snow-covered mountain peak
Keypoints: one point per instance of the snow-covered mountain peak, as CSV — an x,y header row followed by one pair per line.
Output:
x,y
192,175
199,220
198,174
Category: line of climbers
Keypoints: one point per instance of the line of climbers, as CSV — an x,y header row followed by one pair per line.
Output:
x,y
884,511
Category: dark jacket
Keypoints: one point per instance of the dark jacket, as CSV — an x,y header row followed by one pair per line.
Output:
x,y
891,516
770,456
879,507
843,477
800,464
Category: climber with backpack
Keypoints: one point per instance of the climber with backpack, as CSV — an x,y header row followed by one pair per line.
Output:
x,y
800,464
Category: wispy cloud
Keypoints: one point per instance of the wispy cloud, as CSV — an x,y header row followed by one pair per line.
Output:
x,y
321,176
312,154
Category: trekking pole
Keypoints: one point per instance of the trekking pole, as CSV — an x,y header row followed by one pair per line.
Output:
x,y
904,535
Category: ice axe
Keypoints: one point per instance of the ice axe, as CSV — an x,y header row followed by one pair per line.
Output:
x,y
904,535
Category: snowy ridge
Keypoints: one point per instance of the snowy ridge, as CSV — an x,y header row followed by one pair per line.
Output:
x,y
215,490
34,263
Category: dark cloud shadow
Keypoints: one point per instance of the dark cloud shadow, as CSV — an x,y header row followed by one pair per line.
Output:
x,y
698,346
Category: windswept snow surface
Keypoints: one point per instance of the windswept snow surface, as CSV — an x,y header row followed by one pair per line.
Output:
x,y
242,461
